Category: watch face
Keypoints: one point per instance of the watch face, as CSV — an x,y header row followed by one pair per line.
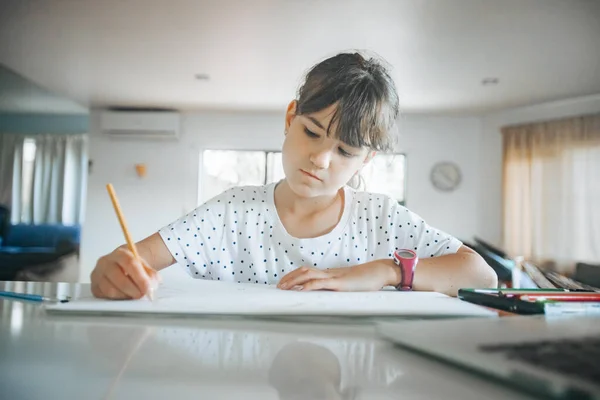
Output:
x,y
406,254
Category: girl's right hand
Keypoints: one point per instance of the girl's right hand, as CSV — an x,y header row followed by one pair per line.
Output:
x,y
119,275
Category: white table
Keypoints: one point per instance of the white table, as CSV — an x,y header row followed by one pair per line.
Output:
x,y
72,357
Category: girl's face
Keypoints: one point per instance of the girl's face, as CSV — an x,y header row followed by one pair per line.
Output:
x,y
315,164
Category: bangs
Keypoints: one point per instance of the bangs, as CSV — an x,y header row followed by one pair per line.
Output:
x,y
363,122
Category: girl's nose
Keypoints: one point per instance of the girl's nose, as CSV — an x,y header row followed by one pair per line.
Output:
x,y
321,158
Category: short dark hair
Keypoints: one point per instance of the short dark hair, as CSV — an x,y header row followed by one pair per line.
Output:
x,y
365,94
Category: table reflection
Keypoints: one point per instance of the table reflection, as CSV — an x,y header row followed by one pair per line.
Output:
x,y
101,357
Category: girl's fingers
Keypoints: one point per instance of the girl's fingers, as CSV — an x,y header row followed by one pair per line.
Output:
x,y
125,284
322,284
291,275
96,291
152,273
134,269
303,277
110,291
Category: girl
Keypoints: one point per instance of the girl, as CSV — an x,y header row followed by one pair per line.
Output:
x,y
309,231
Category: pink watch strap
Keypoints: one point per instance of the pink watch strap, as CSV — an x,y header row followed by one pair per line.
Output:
x,y
407,261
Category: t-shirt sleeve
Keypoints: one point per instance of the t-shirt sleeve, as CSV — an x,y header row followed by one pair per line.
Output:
x,y
195,239
419,236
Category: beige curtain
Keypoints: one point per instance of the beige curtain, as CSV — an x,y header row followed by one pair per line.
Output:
x,y
551,189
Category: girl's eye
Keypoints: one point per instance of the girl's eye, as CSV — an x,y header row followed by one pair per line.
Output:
x,y
345,153
310,133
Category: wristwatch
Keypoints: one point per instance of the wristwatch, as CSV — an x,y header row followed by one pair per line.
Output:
x,y
407,261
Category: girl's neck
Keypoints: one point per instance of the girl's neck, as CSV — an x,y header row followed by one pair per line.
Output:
x,y
289,202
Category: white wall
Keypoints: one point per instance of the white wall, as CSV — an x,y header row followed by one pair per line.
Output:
x,y
490,223
428,140
171,186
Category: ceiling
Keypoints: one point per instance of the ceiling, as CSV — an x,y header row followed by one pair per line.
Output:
x,y
145,53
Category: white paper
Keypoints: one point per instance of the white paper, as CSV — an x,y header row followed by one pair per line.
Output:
x,y
221,298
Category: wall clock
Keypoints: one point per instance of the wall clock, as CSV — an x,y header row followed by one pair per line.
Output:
x,y
446,176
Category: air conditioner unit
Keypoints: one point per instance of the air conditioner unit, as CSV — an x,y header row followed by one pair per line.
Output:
x,y
141,125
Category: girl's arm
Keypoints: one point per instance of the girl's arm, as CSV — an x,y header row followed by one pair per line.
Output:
x,y
446,274
154,251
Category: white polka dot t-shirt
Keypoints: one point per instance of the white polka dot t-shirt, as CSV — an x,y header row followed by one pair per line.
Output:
x,y
237,236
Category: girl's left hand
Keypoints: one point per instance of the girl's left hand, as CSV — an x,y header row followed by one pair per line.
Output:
x,y
371,276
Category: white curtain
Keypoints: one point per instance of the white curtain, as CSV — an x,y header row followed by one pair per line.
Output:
x,y
59,180
552,191
11,146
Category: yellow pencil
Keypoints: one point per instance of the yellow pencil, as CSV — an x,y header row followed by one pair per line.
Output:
x,y
130,242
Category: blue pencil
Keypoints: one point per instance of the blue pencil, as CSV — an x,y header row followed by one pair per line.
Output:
x,y
31,297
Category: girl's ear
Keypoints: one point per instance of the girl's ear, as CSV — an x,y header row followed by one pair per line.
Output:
x,y
290,114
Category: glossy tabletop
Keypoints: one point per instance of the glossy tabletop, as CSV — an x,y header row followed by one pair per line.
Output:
x,y
44,356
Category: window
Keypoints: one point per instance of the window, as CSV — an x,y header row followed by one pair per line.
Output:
x,y
27,178
386,173
224,169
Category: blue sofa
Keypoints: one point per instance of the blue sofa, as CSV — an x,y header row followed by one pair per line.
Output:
x,y
24,246
24,238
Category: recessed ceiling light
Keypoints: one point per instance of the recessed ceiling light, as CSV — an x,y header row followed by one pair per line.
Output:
x,y
489,81
202,77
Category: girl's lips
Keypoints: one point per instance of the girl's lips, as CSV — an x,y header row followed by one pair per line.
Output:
x,y
309,174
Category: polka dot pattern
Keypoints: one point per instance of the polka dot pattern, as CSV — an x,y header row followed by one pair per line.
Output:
x,y
238,237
